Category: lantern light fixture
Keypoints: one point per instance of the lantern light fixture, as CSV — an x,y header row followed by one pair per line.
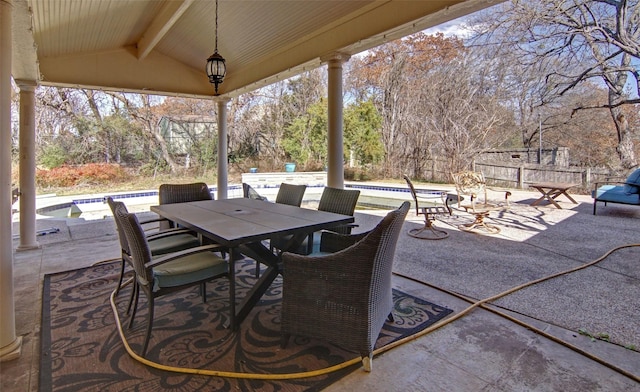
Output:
x,y
216,66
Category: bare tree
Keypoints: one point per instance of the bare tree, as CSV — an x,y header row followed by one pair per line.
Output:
x,y
393,75
576,42
435,104
143,108
465,120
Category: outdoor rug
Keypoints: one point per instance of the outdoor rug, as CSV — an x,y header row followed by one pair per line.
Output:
x,y
82,351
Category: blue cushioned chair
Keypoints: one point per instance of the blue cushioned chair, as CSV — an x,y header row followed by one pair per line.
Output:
x,y
626,192
338,201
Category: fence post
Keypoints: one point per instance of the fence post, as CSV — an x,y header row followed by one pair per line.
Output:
x,y
521,177
586,179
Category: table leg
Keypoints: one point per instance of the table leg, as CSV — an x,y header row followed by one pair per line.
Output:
x,y
567,196
546,195
256,292
256,251
551,197
232,289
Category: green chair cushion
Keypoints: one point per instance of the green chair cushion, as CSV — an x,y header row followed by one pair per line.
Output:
x,y
192,268
172,243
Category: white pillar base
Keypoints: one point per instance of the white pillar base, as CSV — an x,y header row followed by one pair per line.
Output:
x,y
11,351
22,248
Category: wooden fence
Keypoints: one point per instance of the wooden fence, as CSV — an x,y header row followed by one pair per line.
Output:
x,y
520,176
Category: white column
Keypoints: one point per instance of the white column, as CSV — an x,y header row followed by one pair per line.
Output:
x,y
222,148
335,156
10,344
27,166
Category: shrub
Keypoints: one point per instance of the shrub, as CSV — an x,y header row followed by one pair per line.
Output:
x,y
67,176
52,156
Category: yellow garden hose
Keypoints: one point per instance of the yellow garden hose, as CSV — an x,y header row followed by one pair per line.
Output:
x,y
480,303
218,373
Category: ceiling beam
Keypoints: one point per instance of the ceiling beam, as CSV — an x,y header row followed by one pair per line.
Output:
x,y
24,64
167,17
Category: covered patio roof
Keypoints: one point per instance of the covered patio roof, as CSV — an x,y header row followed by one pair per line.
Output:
x,y
161,47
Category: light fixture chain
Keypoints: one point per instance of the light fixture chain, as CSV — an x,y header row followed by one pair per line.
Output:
x,y
216,25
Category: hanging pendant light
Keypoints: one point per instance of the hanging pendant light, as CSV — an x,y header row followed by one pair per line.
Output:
x,y
216,67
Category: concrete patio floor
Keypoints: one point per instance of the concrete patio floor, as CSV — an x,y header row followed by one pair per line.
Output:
x,y
481,351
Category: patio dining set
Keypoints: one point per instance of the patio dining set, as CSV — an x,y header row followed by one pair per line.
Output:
x,y
200,239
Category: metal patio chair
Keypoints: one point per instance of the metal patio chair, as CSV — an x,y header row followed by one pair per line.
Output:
x,y
474,185
157,276
428,231
160,242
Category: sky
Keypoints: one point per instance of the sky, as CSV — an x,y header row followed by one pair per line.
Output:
x,y
451,28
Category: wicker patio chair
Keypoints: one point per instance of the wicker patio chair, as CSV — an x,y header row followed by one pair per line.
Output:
x,y
290,194
250,193
160,242
287,194
339,201
474,185
428,231
182,193
157,276
343,297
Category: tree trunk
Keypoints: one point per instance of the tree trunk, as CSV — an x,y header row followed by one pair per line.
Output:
x,y
625,141
93,105
617,83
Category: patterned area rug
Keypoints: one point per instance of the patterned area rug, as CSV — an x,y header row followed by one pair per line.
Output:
x,y
82,351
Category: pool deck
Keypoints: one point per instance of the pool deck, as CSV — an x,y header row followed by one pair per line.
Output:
x,y
544,347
